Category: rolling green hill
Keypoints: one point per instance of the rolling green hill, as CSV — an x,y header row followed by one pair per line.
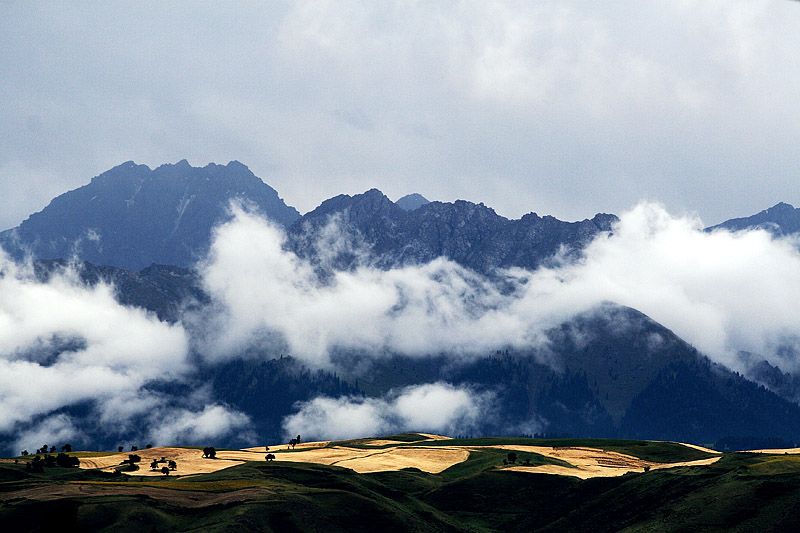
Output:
x,y
740,492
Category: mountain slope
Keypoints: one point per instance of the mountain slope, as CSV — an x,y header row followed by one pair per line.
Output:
x,y
780,219
613,372
132,216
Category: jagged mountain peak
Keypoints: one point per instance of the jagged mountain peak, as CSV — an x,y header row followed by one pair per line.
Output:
x,y
469,233
131,216
780,219
780,207
372,200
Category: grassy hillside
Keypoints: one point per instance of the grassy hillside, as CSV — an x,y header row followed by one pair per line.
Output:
x,y
740,492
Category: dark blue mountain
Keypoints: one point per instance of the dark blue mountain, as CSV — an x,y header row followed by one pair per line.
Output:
x,y
612,372
780,219
132,216
470,234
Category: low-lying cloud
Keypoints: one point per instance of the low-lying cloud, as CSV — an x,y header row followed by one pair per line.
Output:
x,y
264,292
431,407
723,292
196,427
65,345
74,361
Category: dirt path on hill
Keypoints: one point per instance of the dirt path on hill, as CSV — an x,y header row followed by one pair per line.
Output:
x,y
174,496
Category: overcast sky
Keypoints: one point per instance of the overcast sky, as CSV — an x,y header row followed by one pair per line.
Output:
x,y
555,107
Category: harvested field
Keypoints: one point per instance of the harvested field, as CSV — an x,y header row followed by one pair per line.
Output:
x,y
582,462
189,460
431,460
777,451
381,442
701,448
433,436
273,448
593,462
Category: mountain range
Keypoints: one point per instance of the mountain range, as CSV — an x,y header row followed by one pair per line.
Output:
x,y
143,229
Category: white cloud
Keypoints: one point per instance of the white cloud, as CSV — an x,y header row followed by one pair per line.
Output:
x,y
65,344
439,407
52,431
115,350
722,292
432,407
197,427
260,289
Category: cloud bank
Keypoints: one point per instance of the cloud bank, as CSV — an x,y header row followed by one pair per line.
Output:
x,y
723,292
73,360
66,345
431,407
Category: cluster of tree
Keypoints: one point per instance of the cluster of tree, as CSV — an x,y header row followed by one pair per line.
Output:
x,y
38,464
129,464
210,452
511,458
171,465
67,448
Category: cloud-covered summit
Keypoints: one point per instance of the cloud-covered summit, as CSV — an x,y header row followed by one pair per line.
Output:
x,y
723,292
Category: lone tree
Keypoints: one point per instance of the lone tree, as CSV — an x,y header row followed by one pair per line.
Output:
x,y
165,470
270,457
512,457
67,448
24,453
172,465
209,452
120,449
154,465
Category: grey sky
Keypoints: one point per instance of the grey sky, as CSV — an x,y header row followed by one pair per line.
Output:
x,y
553,107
